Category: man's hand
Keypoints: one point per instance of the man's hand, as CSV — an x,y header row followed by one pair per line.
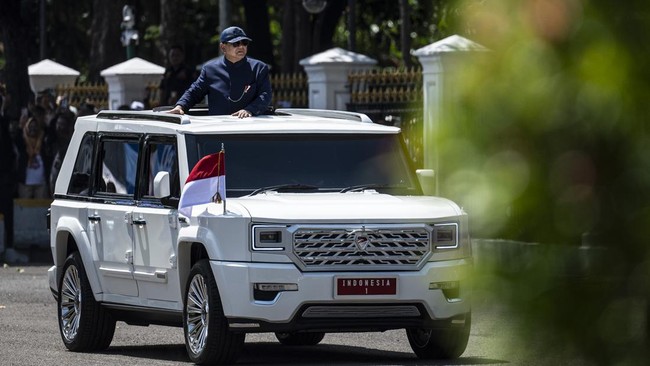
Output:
x,y
176,110
242,113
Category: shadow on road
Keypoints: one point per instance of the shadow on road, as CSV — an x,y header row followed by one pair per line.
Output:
x,y
263,353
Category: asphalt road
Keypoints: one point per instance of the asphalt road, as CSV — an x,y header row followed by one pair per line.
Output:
x,y
29,335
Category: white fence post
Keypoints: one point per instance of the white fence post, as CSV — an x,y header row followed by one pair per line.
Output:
x,y
327,76
440,62
47,74
128,80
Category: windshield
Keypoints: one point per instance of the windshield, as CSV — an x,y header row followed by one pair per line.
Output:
x,y
330,162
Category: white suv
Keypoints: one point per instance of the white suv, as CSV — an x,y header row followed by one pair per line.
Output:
x,y
324,228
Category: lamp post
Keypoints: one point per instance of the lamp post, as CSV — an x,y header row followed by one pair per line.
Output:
x,y
42,36
130,36
352,28
314,6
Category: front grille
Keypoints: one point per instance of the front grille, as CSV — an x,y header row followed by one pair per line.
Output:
x,y
362,249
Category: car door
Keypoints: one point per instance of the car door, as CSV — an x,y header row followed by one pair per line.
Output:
x,y
110,228
155,227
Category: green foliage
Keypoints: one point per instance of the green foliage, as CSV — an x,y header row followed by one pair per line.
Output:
x,y
548,144
152,33
378,28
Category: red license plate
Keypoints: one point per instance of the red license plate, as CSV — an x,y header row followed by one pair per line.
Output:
x,y
366,286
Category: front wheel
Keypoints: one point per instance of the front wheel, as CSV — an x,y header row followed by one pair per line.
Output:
x,y
300,339
83,323
448,342
207,337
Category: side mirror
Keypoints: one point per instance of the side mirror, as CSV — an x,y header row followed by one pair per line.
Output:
x,y
427,178
161,186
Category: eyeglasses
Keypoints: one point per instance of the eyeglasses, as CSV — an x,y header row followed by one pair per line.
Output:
x,y
243,42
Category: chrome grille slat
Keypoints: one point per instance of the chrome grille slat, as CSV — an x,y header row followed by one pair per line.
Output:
x,y
387,247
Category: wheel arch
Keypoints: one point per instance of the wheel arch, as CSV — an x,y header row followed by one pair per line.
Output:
x,y
189,252
70,237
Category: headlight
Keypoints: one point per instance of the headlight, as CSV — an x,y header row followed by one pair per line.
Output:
x,y
269,238
445,236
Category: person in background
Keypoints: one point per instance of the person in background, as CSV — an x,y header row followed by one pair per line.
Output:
x,y
177,78
86,109
63,129
234,83
33,161
47,101
136,105
7,191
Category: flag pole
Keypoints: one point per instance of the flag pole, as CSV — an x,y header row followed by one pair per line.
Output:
x,y
223,161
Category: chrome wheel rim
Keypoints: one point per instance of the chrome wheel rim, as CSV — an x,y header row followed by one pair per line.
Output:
x,y
70,303
198,314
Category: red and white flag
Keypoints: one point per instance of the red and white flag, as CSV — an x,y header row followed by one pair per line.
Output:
x,y
206,183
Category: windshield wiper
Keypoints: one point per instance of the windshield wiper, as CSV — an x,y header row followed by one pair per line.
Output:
x,y
362,187
284,187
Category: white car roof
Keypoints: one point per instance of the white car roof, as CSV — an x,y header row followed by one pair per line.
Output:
x,y
284,121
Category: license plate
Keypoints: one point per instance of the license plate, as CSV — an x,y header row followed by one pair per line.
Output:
x,y
366,286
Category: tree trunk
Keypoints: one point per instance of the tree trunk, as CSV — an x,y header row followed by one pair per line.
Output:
x,y
405,39
325,25
305,34
171,14
258,28
304,41
225,14
288,41
106,49
14,36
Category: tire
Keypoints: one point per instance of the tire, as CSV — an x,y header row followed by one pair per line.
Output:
x,y
83,323
207,337
300,339
441,343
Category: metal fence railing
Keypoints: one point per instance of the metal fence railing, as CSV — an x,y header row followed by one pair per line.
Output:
x,y
392,97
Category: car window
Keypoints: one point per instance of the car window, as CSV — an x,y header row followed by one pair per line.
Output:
x,y
330,162
80,180
161,156
119,163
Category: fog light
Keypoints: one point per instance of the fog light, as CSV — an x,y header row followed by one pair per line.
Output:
x,y
450,289
270,291
443,285
277,287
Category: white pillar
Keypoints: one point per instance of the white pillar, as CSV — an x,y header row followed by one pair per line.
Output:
x,y
441,61
47,74
327,75
128,80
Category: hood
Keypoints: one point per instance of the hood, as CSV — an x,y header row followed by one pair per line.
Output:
x,y
357,206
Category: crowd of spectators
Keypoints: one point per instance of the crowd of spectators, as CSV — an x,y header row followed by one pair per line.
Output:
x,y
33,143
34,140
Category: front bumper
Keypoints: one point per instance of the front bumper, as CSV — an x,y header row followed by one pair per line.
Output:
x,y
315,305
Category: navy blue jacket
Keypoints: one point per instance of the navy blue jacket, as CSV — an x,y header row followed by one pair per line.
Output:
x,y
231,87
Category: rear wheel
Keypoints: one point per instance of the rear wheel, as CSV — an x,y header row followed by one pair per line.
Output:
x,y
300,339
83,323
441,343
207,337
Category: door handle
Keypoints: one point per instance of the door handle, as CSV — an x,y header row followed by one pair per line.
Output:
x,y
94,218
139,222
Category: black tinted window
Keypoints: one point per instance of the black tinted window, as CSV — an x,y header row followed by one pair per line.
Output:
x,y
80,179
330,162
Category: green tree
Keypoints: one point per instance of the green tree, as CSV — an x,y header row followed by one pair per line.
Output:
x,y
550,146
15,27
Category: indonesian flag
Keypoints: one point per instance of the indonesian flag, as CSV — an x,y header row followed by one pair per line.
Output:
x,y
206,183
